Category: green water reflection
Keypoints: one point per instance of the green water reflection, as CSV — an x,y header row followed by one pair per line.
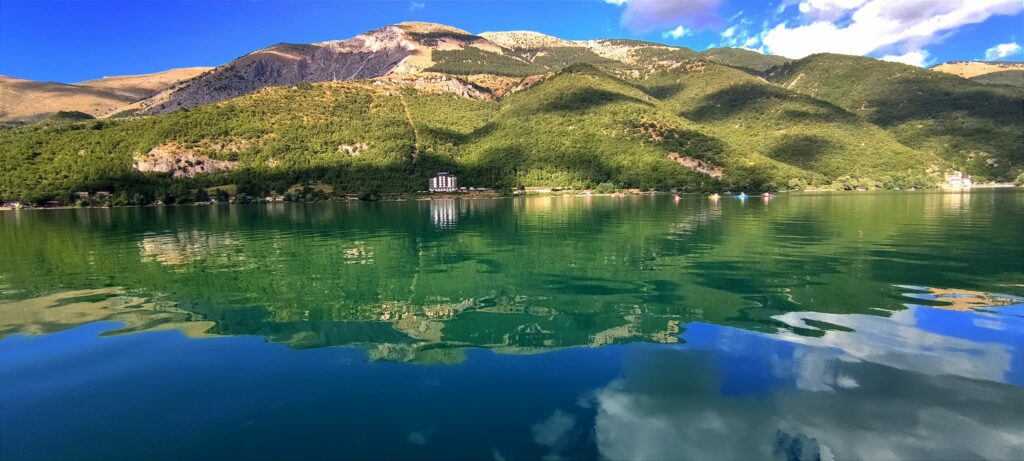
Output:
x,y
423,280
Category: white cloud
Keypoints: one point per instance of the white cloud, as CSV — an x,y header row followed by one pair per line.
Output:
x,y
729,32
914,58
616,2
828,9
647,15
877,25
677,33
414,5
1003,50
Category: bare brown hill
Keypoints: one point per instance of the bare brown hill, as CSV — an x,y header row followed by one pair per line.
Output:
x,y
970,69
27,101
145,85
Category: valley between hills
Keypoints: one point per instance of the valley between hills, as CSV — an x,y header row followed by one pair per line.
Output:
x,y
382,112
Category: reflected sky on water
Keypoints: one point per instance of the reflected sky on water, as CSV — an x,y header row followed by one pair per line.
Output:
x,y
829,326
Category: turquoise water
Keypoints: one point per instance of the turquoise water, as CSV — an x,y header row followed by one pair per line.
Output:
x,y
811,326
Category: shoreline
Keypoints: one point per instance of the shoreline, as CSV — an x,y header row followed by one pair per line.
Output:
x,y
493,195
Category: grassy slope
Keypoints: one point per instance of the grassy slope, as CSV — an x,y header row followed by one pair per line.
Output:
x,y
572,130
765,120
560,57
744,59
53,160
579,128
977,127
1006,77
471,60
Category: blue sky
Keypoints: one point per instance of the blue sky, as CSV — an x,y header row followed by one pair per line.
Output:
x,y
70,41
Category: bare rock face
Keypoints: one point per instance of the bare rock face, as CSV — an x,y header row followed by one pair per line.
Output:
x,y
696,164
369,55
525,39
402,49
179,161
438,83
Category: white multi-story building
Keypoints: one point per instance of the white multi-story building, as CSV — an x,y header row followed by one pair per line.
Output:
x,y
444,182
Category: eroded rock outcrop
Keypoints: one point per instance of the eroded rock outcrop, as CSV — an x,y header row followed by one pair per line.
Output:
x,y
179,161
696,164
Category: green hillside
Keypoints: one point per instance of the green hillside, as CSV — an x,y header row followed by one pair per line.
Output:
x,y
471,60
279,137
582,128
1011,77
700,126
977,127
765,121
744,59
560,57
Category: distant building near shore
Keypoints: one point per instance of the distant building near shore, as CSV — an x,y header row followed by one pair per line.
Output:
x,y
958,180
444,182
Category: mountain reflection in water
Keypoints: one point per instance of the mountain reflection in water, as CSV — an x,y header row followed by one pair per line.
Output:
x,y
832,326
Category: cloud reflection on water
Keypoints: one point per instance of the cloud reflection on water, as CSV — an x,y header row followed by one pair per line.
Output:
x,y
772,398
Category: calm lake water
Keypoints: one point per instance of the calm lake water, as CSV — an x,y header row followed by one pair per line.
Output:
x,y
814,326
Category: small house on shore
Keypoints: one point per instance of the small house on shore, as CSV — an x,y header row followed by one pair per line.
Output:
x,y
444,182
958,180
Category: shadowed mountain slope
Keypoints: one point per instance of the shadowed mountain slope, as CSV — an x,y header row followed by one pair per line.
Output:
x,y
977,127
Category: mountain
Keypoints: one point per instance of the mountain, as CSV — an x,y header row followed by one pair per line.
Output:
x,y
414,51
385,110
975,126
26,101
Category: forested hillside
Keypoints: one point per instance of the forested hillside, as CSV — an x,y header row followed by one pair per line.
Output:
x,y
520,109
977,127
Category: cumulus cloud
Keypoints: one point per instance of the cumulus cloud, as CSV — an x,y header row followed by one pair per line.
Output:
x,y
415,6
914,58
1003,50
860,27
677,33
648,15
738,36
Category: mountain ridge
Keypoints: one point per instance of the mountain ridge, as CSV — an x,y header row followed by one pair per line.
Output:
x,y
386,109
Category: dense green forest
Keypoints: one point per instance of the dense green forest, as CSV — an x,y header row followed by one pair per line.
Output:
x,y
977,127
674,120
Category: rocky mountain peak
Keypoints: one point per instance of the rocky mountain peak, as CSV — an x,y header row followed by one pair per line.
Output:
x,y
385,38
525,39
414,27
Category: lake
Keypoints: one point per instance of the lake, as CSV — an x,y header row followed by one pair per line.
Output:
x,y
811,326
